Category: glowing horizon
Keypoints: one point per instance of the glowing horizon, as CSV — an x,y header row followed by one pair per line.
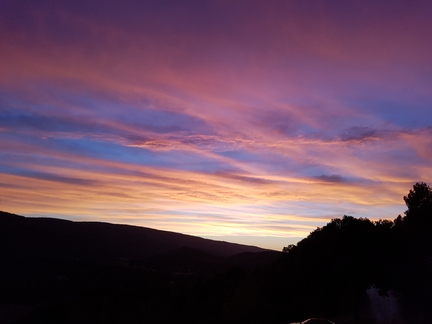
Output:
x,y
251,121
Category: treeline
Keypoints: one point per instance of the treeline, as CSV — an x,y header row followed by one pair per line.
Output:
x,y
325,275
328,273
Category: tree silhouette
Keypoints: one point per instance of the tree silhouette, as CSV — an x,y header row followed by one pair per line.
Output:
x,y
413,240
287,249
419,202
332,268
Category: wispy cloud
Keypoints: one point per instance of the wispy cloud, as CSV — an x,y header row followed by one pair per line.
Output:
x,y
276,120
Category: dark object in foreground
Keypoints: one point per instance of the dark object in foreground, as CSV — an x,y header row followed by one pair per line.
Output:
x,y
57,271
317,321
36,238
67,272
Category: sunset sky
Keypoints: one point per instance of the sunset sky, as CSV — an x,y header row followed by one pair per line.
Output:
x,y
246,121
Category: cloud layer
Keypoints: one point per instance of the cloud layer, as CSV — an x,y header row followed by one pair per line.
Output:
x,y
214,118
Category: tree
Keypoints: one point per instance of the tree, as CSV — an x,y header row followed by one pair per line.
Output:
x,y
419,203
419,198
289,248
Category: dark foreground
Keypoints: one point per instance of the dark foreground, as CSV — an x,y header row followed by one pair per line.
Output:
x,y
103,273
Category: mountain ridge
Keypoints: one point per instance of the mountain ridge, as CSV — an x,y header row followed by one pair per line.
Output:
x,y
52,237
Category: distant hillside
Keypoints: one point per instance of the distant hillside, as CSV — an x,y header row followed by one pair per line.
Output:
x,y
55,271
25,237
58,271
187,260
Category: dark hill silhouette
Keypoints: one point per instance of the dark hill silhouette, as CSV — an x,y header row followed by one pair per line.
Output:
x,y
25,237
64,270
187,260
58,271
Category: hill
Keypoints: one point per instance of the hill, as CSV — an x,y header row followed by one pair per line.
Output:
x,y
24,237
352,270
59,271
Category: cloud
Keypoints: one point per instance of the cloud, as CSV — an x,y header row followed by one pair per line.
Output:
x,y
334,178
361,134
56,178
147,106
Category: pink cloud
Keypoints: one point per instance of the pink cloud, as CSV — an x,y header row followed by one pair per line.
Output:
x,y
259,104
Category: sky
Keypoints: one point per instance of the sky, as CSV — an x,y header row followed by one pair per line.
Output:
x,y
245,121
